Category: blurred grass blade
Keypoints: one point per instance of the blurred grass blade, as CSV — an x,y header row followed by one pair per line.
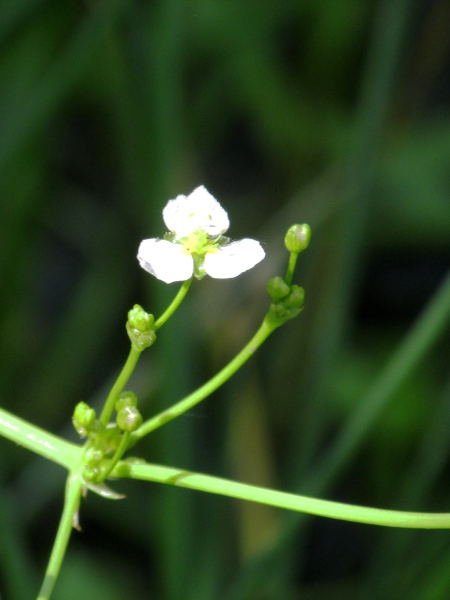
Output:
x,y
18,126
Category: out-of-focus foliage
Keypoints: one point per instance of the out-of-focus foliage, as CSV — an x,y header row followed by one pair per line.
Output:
x,y
332,112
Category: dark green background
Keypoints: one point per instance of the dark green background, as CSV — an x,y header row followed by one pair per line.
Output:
x,y
331,112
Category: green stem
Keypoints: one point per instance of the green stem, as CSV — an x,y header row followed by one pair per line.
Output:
x,y
29,436
117,456
120,383
208,388
291,267
305,504
134,355
68,521
174,304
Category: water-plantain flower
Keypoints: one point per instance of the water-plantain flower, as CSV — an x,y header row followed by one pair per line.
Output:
x,y
195,243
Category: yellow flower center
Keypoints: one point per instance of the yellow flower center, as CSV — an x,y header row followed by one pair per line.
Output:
x,y
198,242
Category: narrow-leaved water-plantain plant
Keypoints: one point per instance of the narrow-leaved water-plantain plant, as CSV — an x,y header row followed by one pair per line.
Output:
x,y
195,246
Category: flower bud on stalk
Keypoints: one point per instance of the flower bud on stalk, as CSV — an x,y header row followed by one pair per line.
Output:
x,y
297,238
83,418
129,418
277,288
140,328
126,399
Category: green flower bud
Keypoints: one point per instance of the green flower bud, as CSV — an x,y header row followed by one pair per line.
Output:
x,y
297,238
126,399
140,328
129,418
91,472
288,307
296,298
83,418
279,313
277,288
93,456
140,320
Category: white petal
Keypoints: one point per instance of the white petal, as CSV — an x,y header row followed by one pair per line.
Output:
x,y
199,210
165,260
233,259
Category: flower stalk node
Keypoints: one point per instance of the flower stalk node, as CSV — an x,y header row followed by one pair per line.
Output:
x,y
287,307
277,289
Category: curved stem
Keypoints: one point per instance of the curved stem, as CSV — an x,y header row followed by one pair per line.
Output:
x,y
134,355
174,304
208,388
120,383
69,519
305,504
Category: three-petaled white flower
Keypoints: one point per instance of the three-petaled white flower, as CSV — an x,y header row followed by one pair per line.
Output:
x,y
195,243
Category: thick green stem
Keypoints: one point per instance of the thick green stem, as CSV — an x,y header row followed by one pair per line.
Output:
x,y
174,304
120,383
39,441
294,502
208,388
68,521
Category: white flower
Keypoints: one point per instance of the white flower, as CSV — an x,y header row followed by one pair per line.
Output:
x,y
195,242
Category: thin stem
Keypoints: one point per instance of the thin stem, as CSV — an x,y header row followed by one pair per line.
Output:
x,y
174,304
68,521
208,388
291,267
120,383
294,502
117,456
134,355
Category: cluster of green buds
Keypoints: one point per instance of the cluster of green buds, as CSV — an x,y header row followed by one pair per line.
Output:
x,y
140,328
105,441
287,299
